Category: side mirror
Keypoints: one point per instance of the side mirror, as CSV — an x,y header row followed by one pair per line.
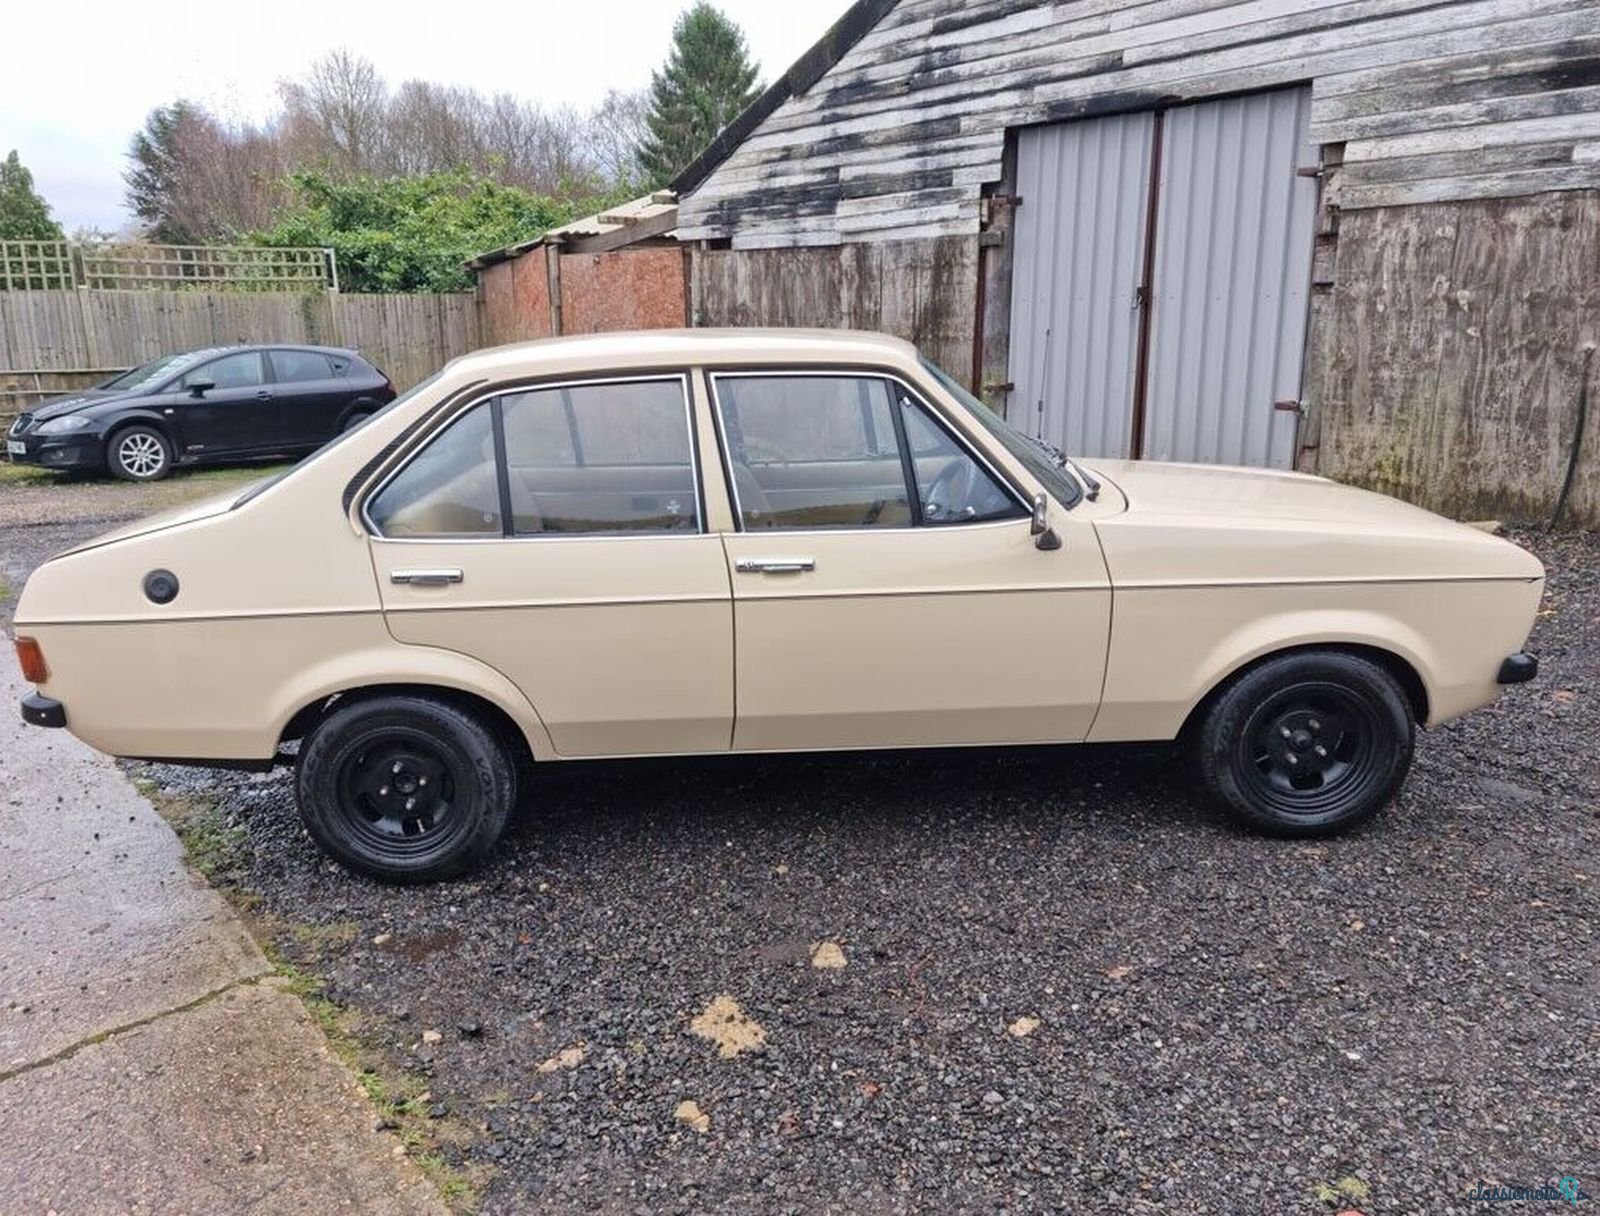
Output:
x,y
1044,536
199,388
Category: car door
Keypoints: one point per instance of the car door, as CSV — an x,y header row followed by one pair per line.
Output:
x,y
888,590
307,399
558,534
233,416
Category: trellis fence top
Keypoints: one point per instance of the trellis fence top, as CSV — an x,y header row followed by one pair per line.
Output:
x,y
116,266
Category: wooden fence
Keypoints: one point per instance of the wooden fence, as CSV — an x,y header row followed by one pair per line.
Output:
x,y
59,341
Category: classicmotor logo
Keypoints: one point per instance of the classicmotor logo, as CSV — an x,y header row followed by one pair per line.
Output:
x,y
1564,1190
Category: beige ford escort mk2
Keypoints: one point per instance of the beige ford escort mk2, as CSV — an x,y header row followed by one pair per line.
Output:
x,y
743,541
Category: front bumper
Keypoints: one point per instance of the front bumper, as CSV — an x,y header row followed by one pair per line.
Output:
x,y
40,710
74,450
1518,668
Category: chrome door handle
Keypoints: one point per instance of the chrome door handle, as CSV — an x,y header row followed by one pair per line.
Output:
x,y
425,578
774,565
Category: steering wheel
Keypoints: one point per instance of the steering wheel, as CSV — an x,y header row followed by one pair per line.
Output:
x,y
950,495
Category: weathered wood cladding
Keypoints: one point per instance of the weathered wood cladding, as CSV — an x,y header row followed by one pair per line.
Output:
x,y
921,290
1446,362
1434,100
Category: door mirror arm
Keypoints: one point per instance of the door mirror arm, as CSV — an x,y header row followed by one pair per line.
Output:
x,y
1044,536
199,388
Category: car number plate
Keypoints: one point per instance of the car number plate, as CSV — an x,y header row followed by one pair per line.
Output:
x,y
16,447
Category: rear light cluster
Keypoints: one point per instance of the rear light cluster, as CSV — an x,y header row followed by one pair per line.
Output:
x,y
32,659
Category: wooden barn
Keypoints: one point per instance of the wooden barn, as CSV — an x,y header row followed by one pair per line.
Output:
x,y
1356,237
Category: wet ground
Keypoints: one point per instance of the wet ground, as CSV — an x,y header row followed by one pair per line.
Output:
x,y
1067,984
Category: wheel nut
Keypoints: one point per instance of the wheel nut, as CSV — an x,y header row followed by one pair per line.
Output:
x,y
1285,731
411,804
1321,751
422,781
1292,758
396,767
383,791
1314,724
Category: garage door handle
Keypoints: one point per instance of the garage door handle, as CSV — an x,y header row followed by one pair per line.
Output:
x,y
425,578
775,565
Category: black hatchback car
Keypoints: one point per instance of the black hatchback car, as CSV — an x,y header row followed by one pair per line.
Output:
x,y
223,403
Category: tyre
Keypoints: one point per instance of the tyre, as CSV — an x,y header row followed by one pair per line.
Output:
x,y
1306,744
355,420
404,788
139,453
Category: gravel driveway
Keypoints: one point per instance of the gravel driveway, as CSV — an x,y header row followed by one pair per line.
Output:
x,y
1067,985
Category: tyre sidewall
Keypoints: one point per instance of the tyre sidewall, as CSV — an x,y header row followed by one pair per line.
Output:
x,y
1219,739
475,754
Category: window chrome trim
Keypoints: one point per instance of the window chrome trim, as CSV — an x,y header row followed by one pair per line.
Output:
x,y
496,393
846,372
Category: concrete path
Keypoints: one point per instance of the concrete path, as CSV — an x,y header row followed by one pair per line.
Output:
x,y
149,1061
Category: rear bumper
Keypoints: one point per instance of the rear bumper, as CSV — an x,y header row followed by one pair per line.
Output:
x,y
1518,668
40,710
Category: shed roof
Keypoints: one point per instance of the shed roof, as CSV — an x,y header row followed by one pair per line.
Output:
x,y
649,216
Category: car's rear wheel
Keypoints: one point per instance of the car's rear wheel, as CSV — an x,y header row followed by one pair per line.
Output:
x,y
1306,744
139,453
356,419
405,788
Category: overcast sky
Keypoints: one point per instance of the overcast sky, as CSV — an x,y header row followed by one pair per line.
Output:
x,y
81,75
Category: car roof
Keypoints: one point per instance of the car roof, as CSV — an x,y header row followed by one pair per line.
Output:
x,y
671,347
208,352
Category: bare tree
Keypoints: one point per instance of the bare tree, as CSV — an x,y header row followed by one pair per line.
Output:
x,y
340,111
615,130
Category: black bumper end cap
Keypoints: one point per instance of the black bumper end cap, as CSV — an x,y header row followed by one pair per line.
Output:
x,y
40,710
1519,668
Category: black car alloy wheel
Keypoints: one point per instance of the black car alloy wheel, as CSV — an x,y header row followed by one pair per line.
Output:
x,y
1308,749
1306,743
397,793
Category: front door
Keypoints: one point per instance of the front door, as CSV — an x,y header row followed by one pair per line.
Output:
x,y
556,533
887,589
233,414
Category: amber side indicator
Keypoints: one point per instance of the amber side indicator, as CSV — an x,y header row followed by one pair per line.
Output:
x,y
32,659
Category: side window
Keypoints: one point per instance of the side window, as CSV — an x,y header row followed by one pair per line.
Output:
x,y
243,370
593,458
815,451
291,365
451,488
952,487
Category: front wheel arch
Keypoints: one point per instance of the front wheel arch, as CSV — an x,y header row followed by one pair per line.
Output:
x,y
1406,675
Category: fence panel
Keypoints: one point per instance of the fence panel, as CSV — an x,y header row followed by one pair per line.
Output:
x,y
59,341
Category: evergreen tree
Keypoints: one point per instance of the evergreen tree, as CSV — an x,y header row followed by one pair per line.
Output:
x,y
24,216
707,79
155,174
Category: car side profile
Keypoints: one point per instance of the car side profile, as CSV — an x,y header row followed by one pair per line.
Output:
x,y
703,542
203,406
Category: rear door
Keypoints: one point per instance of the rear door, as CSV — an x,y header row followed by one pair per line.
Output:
x,y
557,533
308,398
887,589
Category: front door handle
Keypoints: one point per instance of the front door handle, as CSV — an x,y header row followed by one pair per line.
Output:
x,y
775,565
425,578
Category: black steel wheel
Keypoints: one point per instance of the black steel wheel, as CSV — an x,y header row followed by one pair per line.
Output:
x,y
405,788
1308,743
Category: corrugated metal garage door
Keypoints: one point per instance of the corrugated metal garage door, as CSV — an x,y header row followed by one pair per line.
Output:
x,y
1074,327
1226,282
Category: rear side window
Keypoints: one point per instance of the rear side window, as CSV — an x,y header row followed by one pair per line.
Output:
x,y
581,459
291,365
600,458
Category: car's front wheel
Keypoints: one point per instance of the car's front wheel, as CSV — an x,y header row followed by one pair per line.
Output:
x,y
139,453
1306,744
405,788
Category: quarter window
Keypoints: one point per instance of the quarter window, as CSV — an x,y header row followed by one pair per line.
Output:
x,y
449,489
848,451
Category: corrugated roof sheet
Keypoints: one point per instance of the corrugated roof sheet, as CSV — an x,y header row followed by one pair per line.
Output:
x,y
650,214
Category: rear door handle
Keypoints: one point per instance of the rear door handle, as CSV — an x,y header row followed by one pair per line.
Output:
x,y
774,565
425,578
